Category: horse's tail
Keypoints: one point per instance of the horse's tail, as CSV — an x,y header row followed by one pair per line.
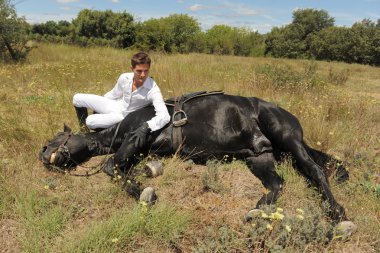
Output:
x,y
332,167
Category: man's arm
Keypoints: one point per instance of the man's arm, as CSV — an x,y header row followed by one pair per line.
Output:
x,y
162,115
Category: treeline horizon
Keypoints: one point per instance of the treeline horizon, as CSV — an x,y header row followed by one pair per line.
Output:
x,y
312,34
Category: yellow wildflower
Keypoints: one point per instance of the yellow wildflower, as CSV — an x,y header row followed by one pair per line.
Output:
x,y
264,215
277,216
300,217
300,211
279,210
288,228
115,240
269,227
46,187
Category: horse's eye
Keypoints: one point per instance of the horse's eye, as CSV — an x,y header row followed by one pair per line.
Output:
x,y
44,148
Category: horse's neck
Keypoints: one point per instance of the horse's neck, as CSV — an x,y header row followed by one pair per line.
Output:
x,y
99,143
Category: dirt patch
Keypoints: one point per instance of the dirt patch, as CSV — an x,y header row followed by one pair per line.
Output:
x,y
238,192
8,236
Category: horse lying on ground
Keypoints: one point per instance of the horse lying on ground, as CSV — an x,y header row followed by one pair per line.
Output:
x,y
214,126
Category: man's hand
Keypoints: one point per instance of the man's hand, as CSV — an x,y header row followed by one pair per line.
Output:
x,y
139,136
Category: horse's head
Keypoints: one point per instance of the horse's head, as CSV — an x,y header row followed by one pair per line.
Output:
x,y
64,150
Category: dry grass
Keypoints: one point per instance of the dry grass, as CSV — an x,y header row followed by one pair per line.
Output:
x,y
42,211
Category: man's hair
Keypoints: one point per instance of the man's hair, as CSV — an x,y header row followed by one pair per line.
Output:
x,y
140,58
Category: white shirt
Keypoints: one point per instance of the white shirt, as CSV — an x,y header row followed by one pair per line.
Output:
x,y
146,94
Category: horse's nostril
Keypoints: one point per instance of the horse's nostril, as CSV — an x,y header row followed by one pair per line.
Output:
x,y
44,149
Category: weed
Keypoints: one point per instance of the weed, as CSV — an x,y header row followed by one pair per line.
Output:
x,y
220,239
338,77
274,230
210,178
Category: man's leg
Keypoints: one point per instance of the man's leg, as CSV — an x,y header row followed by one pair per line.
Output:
x,y
96,121
97,103
109,112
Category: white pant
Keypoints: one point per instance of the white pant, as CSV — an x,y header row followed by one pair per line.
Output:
x,y
109,112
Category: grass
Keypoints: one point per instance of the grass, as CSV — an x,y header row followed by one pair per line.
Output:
x,y
200,209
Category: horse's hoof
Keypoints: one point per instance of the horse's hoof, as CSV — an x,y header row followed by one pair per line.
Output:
x,y
154,168
148,196
251,214
344,230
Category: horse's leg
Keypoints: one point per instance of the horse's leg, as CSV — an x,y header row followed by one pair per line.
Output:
x,y
285,133
316,176
262,167
332,166
120,162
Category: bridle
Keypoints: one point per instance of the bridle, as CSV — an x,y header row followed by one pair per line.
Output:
x,y
64,151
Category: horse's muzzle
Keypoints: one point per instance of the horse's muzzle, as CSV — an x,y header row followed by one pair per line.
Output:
x,y
47,158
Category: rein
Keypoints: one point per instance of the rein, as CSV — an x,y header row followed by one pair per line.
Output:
x,y
65,152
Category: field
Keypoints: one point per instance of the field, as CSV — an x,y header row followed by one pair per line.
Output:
x,y
200,208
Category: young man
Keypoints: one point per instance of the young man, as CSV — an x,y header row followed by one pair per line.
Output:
x,y
132,91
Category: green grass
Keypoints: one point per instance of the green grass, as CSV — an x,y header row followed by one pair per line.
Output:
x,y
126,228
200,209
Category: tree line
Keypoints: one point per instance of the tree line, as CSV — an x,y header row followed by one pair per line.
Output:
x,y
311,35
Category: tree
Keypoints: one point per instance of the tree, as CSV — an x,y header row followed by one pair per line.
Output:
x,y
286,42
368,34
116,27
335,44
183,29
219,40
62,28
292,40
13,33
153,34
175,33
312,21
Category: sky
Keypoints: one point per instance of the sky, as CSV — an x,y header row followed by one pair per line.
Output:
x,y
257,15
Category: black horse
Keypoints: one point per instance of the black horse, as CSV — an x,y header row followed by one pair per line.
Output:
x,y
217,126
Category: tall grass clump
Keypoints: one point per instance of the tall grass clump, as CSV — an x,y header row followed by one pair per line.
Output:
x,y
44,219
338,77
125,229
284,77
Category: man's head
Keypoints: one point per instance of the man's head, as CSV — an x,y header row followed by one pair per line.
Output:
x,y
140,65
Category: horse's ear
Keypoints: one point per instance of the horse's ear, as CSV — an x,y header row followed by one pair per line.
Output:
x,y
66,129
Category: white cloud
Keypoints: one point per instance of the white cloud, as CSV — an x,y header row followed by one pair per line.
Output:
x,y
180,1
115,1
230,9
66,1
197,7
240,9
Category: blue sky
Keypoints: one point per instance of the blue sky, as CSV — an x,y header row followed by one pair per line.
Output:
x,y
259,15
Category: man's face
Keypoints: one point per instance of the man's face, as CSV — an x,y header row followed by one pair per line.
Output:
x,y
141,72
